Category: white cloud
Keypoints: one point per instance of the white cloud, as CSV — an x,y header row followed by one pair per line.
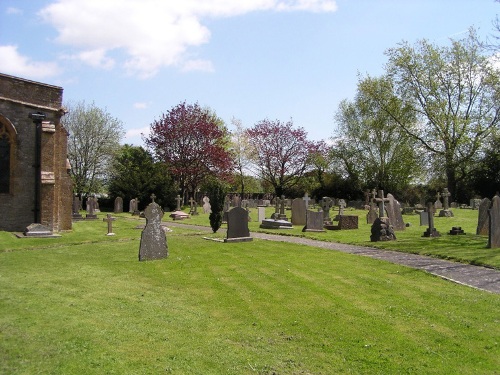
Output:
x,y
152,33
11,62
134,136
140,105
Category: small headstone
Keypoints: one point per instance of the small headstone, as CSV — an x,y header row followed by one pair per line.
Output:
x,y
431,231
438,205
483,218
132,206
118,205
314,222
474,203
136,208
76,209
37,230
261,213
394,213
494,228
456,231
194,207
298,212
153,239
326,204
178,201
237,225
424,218
91,202
109,219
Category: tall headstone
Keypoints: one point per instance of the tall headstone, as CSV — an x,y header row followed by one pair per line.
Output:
x,y
494,227
394,213
153,239
298,212
237,225
261,213
207,207
118,205
483,221
381,203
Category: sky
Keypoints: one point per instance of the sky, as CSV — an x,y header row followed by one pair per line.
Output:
x,y
245,59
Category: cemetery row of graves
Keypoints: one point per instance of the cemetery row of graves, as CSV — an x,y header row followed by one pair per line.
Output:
x,y
381,214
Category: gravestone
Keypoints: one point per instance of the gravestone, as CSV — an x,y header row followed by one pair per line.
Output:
x,y
38,230
91,209
394,213
306,200
424,218
474,203
261,213
227,207
282,214
207,208
153,239
483,221
445,212
178,201
109,219
456,231
132,206
431,231
136,208
76,209
437,204
326,204
494,227
118,205
237,226
194,207
314,222
342,205
382,230
298,212
372,211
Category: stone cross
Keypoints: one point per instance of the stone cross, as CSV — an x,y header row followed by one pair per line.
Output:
x,y
381,201
277,205
306,199
342,205
367,197
153,197
445,194
178,200
109,219
282,205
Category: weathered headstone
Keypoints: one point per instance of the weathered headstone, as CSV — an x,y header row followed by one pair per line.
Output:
x,y
207,208
424,218
178,201
132,207
372,213
326,204
438,205
109,219
394,213
76,209
194,207
483,218
382,230
314,222
431,231
494,228
153,239
298,211
118,208
237,225
381,203
445,212
91,209
261,213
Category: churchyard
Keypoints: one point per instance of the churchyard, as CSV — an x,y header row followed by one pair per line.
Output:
x,y
84,303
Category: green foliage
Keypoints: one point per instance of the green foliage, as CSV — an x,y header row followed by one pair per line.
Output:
x,y
217,191
135,175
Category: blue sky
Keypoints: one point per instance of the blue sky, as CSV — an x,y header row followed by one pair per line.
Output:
x,y
248,59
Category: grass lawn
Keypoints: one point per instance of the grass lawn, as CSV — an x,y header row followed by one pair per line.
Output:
x,y
84,304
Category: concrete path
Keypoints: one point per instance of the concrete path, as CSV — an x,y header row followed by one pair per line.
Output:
x,y
474,276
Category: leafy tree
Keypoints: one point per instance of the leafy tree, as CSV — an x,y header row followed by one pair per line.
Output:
x,y
242,153
485,180
379,151
193,143
280,153
454,93
94,136
134,174
217,191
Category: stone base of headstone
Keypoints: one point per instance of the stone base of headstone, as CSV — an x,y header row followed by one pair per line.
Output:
x,y
76,217
238,239
382,230
456,231
275,224
90,217
431,233
179,215
445,213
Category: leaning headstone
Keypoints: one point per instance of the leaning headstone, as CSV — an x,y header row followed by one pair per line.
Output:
x,y
494,228
314,222
237,226
153,239
298,212
483,218
394,213
118,205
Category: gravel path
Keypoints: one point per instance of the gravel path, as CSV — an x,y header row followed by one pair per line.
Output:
x,y
474,276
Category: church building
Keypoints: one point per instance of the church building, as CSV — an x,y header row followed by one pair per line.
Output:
x,y
35,185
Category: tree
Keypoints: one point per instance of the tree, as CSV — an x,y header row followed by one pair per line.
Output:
x,y
217,191
193,143
242,152
383,153
280,153
134,174
94,136
454,93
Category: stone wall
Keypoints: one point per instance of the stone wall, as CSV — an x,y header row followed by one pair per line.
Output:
x,y
18,99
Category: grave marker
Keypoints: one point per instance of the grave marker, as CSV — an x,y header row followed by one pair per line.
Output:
x,y
483,220
237,226
118,207
109,219
494,227
153,239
